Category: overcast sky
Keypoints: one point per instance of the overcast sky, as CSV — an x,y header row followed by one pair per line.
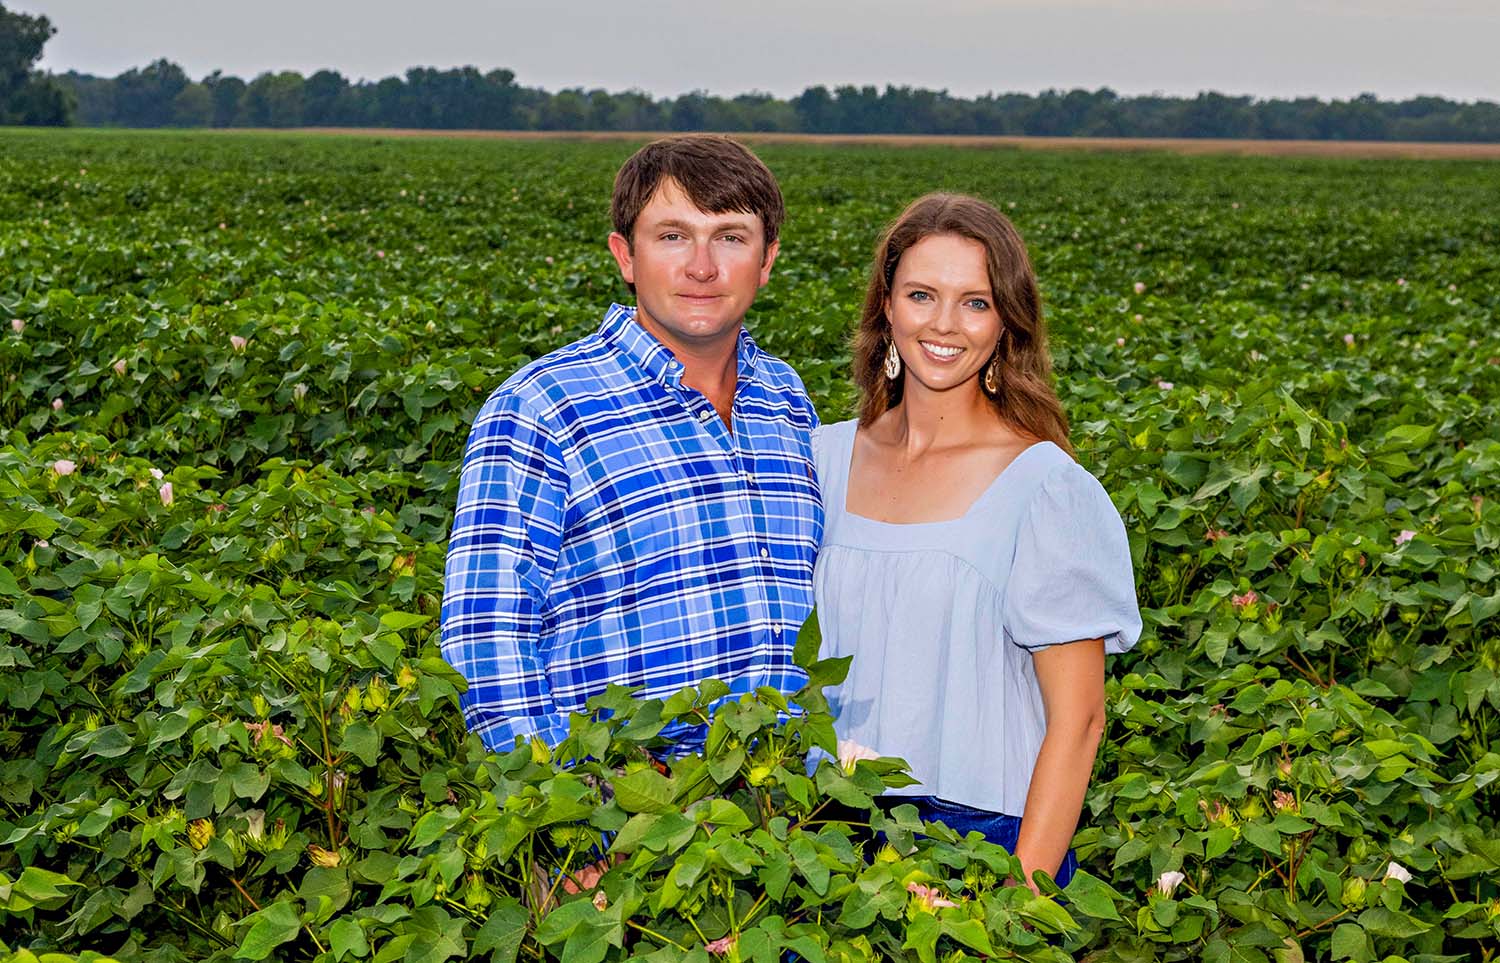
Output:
x,y
1325,48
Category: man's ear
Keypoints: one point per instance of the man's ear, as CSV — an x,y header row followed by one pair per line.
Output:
x,y
619,246
772,249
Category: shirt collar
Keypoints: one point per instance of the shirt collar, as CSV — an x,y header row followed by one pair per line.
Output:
x,y
651,356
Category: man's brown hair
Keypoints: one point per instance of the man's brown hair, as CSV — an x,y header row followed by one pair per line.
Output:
x,y
717,174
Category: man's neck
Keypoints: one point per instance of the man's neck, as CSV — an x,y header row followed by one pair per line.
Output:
x,y
710,367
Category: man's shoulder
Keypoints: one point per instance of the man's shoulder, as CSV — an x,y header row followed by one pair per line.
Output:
x,y
579,364
781,380
540,387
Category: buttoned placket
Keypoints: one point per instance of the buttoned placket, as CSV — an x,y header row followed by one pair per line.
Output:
x,y
742,464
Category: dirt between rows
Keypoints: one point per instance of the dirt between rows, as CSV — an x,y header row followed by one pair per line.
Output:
x,y
1179,145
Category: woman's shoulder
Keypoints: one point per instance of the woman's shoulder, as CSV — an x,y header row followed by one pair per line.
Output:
x,y
1059,476
830,442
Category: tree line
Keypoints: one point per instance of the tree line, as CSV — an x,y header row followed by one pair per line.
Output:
x,y
162,94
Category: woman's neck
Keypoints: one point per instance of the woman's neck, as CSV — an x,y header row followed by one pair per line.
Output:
x,y
940,419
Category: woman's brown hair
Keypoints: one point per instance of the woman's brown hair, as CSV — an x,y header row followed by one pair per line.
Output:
x,y
1024,399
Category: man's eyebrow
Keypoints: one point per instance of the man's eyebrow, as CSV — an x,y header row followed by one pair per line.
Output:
x,y
672,222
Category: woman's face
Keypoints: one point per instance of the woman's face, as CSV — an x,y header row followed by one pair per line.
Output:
x,y
942,313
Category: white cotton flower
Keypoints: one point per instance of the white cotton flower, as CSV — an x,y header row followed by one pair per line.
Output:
x,y
1396,871
1167,883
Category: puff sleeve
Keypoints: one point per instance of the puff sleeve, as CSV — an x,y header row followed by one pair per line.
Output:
x,y
1071,577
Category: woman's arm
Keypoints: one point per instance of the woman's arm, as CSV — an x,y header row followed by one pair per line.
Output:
x,y
1071,678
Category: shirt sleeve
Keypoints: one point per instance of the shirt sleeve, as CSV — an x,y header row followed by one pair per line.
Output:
x,y
1072,577
507,534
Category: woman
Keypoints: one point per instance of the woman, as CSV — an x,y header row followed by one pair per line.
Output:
x,y
975,571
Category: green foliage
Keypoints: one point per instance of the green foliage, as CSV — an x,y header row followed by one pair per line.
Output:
x,y
225,731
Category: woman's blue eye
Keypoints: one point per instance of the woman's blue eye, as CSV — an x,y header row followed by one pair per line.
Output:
x,y
979,304
918,295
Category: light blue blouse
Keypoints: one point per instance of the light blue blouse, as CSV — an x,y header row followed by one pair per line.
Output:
x,y
942,617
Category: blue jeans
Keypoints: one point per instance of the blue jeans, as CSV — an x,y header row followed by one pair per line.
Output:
x,y
998,828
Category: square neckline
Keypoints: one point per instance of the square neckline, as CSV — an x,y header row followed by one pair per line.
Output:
x,y
994,484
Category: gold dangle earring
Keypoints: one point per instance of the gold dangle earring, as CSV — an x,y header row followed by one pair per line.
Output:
x,y
992,373
892,361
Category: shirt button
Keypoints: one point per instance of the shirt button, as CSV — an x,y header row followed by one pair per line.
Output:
x,y
765,553
704,415
776,631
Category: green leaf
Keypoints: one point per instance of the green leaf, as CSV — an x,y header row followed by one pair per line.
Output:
x,y
1351,943
805,855
645,791
432,826
269,928
970,933
502,934
1092,896
1262,835
1407,438
1386,922
363,740
809,642
347,938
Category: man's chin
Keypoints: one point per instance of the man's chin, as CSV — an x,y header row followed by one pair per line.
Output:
x,y
692,327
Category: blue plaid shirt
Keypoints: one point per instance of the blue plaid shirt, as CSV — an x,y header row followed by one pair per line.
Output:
x,y
611,529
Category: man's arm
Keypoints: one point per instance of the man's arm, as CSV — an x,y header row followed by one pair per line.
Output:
x,y
507,534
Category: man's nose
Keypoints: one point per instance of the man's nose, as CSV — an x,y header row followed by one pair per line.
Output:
x,y
702,266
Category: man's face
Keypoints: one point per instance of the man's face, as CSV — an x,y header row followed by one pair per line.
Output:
x,y
695,274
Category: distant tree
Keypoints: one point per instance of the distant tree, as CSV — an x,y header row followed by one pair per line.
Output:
x,y
325,100
93,98
144,96
227,93
814,107
28,96
566,110
690,112
274,100
193,107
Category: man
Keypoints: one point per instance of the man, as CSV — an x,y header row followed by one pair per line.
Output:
x,y
639,507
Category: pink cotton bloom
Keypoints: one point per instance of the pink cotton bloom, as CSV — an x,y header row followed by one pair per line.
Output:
x,y
1167,883
1405,536
156,473
119,366
721,945
851,752
548,259
165,491
1119,342
1398,872
57,404
929,897
17,325
1349,340
237,342
1401,282
380,254
64,466
1249,598
1165,385
1214,534
1140,287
